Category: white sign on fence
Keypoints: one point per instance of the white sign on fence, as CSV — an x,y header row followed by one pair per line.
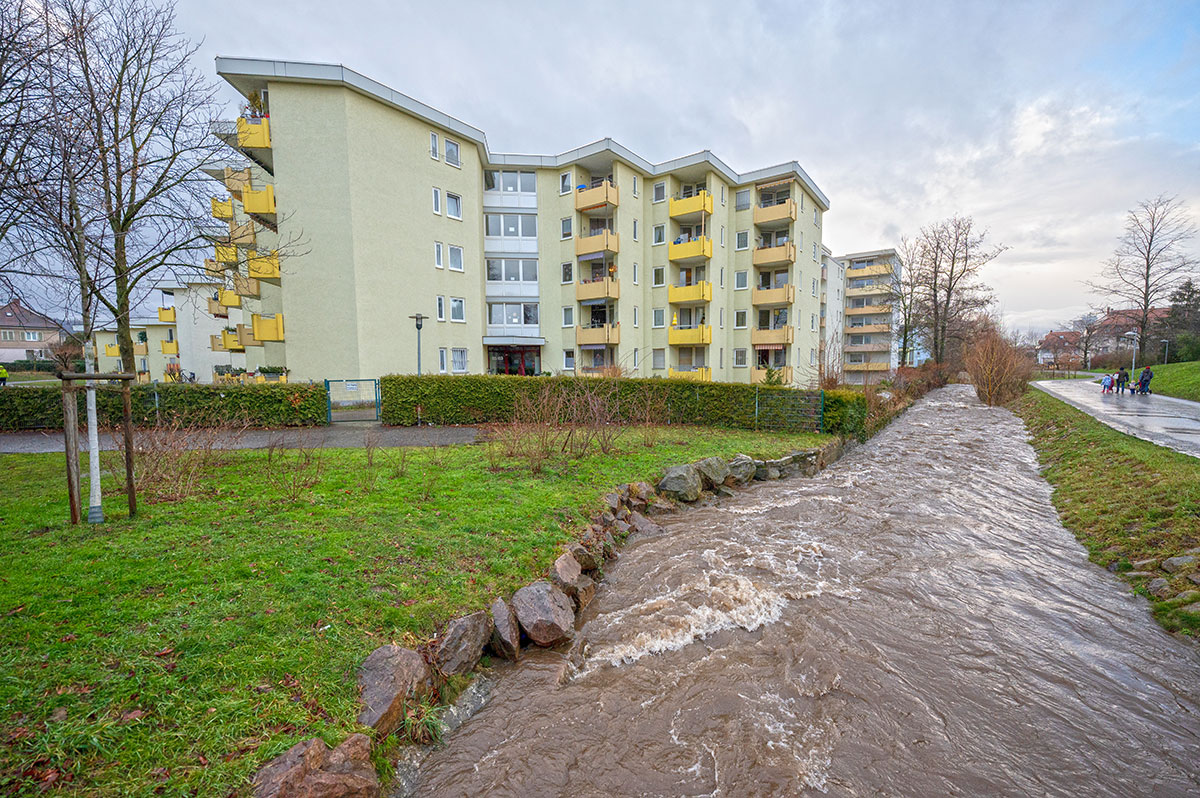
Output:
x,y
352,386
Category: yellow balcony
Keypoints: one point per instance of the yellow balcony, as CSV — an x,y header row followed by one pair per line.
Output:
x,y
141,348
242,235
776,215
166,315
245,286
214,269
169,347
606,288
112,350
600,198
267,328
868,290
695,249
690,294
874,270
254,134
879,347
222,209
867,366
695,375
263,266
783,295
245,334
225,253
772,256
760,375
868,309
690,336
217,343
689,207
236,180
779,335
260,202
230,341
604,241
604,334
229,298
868,328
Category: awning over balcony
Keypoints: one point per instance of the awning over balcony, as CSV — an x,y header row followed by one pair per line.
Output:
x,y
592,256
598,301
768,346
774,183
593,346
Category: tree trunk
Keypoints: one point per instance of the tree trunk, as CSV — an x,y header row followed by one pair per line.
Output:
x,y
124,338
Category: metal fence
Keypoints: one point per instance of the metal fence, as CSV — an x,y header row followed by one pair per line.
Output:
x,y
353,400
789,411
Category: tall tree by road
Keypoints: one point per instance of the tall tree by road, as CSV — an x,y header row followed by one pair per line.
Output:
x,y
1088,327
1150,261
905,299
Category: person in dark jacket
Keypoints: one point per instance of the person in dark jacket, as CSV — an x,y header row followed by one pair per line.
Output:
x,y
1144,380
1122,380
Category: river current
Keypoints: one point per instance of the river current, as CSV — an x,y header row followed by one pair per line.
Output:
x,y
913,621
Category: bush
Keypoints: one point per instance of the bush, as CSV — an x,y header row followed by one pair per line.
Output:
x,y
263,405
482,399
999,370
846,413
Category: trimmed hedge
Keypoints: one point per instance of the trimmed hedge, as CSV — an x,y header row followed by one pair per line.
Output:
x,y
846,414
265,405
481,399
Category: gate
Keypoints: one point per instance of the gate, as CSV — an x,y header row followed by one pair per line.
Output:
x,y
352,400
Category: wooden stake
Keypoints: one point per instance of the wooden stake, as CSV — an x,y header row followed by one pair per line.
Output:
x,y
71,446
127,406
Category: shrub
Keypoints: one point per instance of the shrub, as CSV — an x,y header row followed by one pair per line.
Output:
x,y
999,370
846,413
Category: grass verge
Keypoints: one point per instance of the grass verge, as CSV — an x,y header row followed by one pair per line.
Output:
x,y
1124,498
1177,379
175,653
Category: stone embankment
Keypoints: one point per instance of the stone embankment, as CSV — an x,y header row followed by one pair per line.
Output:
x,y
393,679
1157,573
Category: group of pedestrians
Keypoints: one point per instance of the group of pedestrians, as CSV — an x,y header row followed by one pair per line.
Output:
x,y
1120,381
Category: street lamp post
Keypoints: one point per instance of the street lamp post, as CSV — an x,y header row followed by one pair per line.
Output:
x,y
1166,349
1133,334
419,318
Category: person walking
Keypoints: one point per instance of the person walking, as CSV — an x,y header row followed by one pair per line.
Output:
x,y
1144,381
3,376
1106,384
1122,380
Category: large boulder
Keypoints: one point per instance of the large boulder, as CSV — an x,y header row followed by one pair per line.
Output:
x,y
387,678
643,525
586,560
713,470
1183,562
567,575
506,632
544,612
463,642
310,770
682,482
741,468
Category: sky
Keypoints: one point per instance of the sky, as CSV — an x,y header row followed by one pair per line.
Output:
x,y
1044,121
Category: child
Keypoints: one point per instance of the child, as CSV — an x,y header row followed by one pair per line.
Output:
x,y
1106,384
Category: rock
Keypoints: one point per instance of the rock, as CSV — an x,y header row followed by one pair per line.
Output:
x,y
622,526
1188,597
1139,574
612,501
682,483
741,468
724,492
1195,578
765,472
1192,551
388,677
713,470
310,770
640,491
506,632
585,591
1145,565
565,573
463,642
1159,588
623,492
544,612
623,513
1184,562
643,525
660,506
607,518
586,560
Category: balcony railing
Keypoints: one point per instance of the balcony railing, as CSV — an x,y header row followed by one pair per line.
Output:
x,y
598,334
267,328
236,180
874,270
699,374
868,366
222,209
166,315
776,214
772,335
597,198
758,375
229,298
245,336
866,310
600,241
604,288
214,269
782,295
690,294
112,350
771,256
217,343
263,265
225,253
259,202
867,290
681,206
169,347
254,134
141,348
700,335
245,286
241,235
694,249
230,340
215,308
879,347
868,328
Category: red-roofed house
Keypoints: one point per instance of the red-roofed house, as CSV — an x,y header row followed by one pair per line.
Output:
x,y
1060,348
26,334
1110,332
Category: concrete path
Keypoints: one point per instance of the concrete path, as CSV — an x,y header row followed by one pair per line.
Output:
x,y
1165,420
342,435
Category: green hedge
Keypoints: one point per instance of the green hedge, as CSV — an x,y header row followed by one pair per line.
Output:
x,y
846,414
40,365
481,399
264,405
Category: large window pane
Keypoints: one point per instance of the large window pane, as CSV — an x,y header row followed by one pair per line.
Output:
x,y
512,270
491,180
494,269
509,181
528,183
529,271
513,313
529,226
492,224
531,313
495,313
512,224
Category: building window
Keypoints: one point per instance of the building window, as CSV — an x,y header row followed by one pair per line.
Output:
x,y
722,318
658,358
659,235
659,318
441,308
722,195
512,270
513,314
741,280
635,357
442,357
458,360
510,182
453,206
568,360
739,319
635,185
739,358
813,326
568,316
565,228
456,258
741,200
741,240
659,277
635,274
660,191
510,225
635,229
491,180
814,250
433,146
8,335
812,357
721,362
722,235
568,270
564,183
722,276
452,154
458,309
814,286
817,217
635,317
437,201
437,254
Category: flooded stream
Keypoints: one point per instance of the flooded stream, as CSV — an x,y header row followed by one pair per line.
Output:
x,y
913,621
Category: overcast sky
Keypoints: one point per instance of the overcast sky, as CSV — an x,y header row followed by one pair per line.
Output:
x,y
1045,121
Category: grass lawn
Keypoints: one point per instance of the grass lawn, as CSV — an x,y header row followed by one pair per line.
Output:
x,y
30,376
1124,498
1177,379
175,653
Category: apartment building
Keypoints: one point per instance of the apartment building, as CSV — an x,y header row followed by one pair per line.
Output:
x,y
155,348
870,351
351,208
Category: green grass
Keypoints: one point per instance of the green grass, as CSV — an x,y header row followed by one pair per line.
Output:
x,y
183,649
30,376
1177,379
1124,498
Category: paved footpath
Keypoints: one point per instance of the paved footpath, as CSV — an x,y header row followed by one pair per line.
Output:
x,y
1165,420
343,435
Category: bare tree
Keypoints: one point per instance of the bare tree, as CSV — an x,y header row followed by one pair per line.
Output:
x,y
1150,261
905,299
1088,327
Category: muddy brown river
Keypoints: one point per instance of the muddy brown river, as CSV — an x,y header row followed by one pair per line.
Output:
x,y
914,621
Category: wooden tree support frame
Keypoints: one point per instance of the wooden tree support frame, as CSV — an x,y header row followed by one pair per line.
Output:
x,y
71,433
